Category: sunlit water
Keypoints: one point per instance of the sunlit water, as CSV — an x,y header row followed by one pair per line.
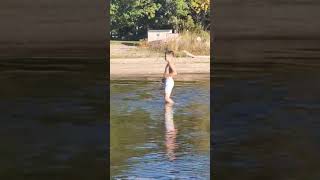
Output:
x,y
52,119
266,110
152,140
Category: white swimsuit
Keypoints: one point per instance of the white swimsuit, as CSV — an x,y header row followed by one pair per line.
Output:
x,y
169,85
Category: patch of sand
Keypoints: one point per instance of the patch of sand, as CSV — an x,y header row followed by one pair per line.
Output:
x,y
152,68
122,50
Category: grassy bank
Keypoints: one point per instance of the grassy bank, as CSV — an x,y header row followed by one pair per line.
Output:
x,y
197,43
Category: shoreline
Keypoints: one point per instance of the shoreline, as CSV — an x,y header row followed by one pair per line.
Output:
x,y
155,77
189,69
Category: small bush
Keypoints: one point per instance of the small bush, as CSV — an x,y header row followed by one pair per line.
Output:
x,y
143,43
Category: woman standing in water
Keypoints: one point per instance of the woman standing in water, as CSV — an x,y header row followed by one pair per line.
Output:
x,y
169,72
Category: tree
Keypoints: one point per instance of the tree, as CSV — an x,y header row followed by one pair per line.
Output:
x,y
130,19
201,11
172,13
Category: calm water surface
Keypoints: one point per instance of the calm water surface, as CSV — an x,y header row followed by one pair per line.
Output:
x,y
52,119
267,110
151,140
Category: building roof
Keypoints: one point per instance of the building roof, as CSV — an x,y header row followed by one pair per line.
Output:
x,y
160,30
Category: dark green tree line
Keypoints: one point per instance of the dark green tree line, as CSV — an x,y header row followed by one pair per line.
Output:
x,y
130,19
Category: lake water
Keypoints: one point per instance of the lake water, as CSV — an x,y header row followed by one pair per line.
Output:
x,y
266,109
152,140
52,119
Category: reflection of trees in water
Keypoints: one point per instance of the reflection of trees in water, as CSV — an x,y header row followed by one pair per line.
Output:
x,y
134,124
198,118
126,86
127,131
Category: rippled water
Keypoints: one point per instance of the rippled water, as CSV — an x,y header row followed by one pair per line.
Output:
x,y
52,119
152,140
266,110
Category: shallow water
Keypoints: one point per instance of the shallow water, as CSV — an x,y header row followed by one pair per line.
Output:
x,y
52,119
151,140
266,110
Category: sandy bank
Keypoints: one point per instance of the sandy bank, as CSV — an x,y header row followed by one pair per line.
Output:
x,y
152,68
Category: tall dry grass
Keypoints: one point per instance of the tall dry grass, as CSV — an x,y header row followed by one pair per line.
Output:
x,y
196,42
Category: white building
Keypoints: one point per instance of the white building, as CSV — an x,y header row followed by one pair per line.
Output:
x,y
160,35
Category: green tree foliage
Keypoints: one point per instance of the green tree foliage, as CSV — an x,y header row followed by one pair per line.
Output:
x,y
201,11
130,19
200,5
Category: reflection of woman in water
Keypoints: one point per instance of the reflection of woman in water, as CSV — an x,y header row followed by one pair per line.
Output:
x,y
171,132
168,74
